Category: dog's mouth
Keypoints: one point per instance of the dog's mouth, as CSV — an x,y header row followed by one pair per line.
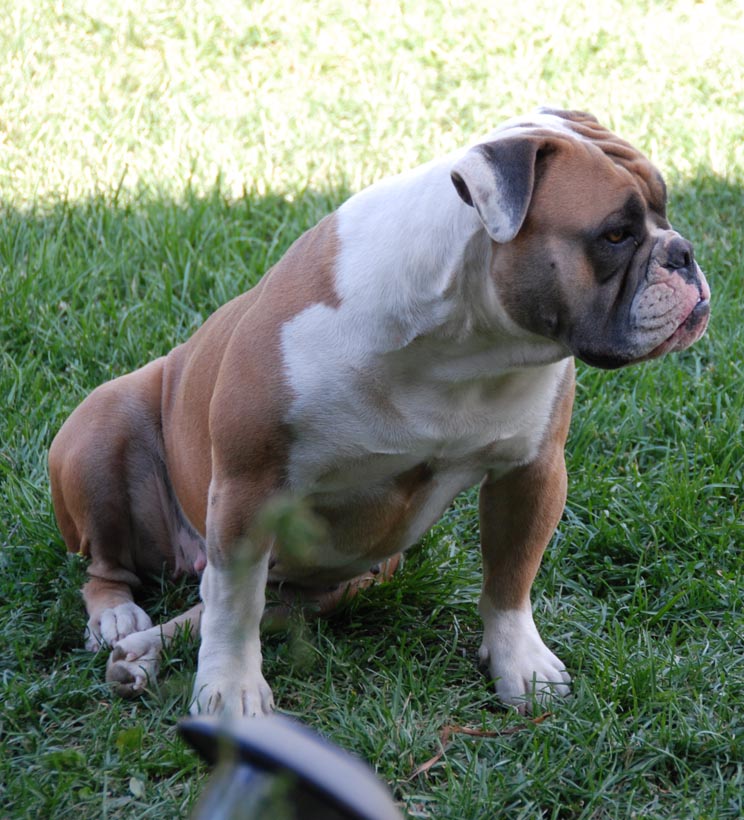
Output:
x,y
691,328
688,330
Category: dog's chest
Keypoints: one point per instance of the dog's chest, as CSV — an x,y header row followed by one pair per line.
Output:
x,y
380,454
356,427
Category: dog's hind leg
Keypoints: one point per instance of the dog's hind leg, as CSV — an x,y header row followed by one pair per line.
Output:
x,y
112,613
102,463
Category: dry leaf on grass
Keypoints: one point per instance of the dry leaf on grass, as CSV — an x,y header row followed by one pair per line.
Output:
x,y
451,729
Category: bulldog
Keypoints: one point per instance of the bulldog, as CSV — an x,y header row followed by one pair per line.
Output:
x,y
416,342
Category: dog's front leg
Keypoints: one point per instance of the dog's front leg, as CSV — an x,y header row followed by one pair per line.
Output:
x,y
518,515
515,528
229,678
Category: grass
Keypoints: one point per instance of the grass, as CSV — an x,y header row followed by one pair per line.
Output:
x,y
153,164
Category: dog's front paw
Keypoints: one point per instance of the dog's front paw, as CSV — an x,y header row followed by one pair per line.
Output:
x,y
134,662
524,670
231,695
114,624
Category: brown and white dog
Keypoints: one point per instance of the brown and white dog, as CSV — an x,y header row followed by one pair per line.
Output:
x,y
415,342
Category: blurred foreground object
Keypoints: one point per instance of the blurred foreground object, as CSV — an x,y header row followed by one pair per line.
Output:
x,y
275,768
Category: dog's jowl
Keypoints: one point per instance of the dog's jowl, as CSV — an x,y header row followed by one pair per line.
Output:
x,y
416,342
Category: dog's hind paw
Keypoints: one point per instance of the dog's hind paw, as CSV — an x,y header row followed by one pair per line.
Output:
x,y
114,624
134,662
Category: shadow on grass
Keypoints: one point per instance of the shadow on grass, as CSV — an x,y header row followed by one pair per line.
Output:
x,y
97,288
94,289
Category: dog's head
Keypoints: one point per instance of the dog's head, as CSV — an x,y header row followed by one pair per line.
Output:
x,y
582,249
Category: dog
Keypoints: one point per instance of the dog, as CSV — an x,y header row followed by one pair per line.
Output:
x,y
416,342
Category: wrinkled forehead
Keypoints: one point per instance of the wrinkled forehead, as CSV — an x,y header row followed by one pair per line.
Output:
x,y
578,125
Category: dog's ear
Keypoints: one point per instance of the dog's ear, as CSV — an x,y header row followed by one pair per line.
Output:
x,y
497,179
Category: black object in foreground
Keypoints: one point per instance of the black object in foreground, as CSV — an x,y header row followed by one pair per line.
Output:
x,y
275,768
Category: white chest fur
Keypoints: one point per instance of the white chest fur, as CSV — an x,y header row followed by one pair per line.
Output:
x,y
362,422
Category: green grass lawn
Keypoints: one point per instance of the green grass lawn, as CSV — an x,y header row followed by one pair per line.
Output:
x,y
152,165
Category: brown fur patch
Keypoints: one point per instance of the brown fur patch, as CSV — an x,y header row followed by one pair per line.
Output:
x,y
370,526
103,446
224,390
622,153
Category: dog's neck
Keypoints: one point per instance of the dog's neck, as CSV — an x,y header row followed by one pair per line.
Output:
x,y
439,294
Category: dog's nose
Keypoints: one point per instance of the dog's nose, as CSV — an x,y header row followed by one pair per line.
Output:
x,y
680,257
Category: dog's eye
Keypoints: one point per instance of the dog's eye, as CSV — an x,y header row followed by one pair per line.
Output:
x,y
617,236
